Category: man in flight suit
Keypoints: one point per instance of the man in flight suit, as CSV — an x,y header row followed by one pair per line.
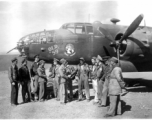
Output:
x,y
63,81
56,85
93,76
14,79
83,74
34,76
116,84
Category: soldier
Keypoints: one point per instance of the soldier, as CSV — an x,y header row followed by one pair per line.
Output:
x,y
14,78
25,81
105,78
93,76
42,80
63,81
34,76
51,78
56,85
83,74
116,84
72,72
100,72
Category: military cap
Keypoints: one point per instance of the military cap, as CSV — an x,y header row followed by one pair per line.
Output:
x,y
62,61
114,59
81,58
23,61
99,58
94,58
36,56
41,62
14,59
55,60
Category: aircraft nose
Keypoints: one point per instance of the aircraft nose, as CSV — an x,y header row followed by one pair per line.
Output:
x,y
23,49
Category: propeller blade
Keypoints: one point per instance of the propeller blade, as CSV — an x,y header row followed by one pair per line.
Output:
x,y
133,26
106,33
11,49
106,51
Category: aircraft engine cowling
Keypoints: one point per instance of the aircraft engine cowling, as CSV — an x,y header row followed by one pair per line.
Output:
x,y
128,48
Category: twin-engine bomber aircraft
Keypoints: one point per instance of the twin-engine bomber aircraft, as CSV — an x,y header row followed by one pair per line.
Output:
x,y
131,45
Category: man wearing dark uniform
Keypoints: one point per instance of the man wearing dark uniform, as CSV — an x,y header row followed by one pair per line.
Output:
x,y
42,80
14,79
63,81
56,85
25,81
83,74
34,76
116,84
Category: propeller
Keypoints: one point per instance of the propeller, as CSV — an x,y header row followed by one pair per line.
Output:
x,y
11,50
106,33
133,26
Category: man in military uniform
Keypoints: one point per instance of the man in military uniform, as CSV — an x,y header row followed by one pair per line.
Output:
x,y
34,76
83,74
93,76
72,72
100,72
56,85
116,84
14,79
105,78
25,81
42,80
63,81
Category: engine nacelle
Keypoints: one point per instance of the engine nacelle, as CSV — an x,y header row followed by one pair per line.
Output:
x,y
129,47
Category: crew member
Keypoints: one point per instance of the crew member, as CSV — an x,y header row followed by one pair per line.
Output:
x,y
51,78
105,78
56,85
42,80
116,84
83,74
25,81
34,76
63,81
72,72
100,72
93,76
14,79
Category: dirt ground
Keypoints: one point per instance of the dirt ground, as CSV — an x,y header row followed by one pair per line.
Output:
x,y
136,104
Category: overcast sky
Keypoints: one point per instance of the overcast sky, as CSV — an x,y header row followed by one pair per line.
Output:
x,y
19,18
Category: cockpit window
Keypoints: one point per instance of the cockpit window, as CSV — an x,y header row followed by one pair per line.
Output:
x,y
89,29
80,29
70,27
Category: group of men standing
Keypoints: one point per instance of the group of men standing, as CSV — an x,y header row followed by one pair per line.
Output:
x,y
106,77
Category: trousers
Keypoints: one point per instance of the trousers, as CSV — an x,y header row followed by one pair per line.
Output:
x,y
63,92
104,93
100,88
70,88
95,88
14,93
115,105
42,91
26,89
83,81
56,87
36,77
